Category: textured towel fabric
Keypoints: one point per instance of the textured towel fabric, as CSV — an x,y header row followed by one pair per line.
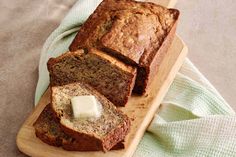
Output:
x,y
194,120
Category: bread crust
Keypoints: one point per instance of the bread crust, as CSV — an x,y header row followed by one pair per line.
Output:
x,y
152,67
111,140
113,41
53,61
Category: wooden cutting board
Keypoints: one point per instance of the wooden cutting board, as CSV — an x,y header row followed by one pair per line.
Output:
x,y
139,108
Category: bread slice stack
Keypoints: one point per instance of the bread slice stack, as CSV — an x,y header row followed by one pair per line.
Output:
x,y
106,74
83,73
48,129
117,51
57,126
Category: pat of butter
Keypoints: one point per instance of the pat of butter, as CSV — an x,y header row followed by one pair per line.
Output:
x,y
85,107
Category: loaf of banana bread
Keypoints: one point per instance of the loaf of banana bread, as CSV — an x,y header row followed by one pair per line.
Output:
x,y
103,132
106,74
138,33
47,128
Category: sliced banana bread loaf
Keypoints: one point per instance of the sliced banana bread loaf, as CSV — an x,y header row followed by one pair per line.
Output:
x,y
103,132
106,74
139,33
47,128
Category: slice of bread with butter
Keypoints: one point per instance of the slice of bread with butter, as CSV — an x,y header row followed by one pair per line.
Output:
x,y
100,130
48,129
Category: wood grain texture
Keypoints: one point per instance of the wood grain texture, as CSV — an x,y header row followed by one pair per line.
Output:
x,y
140,109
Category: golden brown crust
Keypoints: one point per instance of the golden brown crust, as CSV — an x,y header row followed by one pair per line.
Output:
x,y
134,32
145,75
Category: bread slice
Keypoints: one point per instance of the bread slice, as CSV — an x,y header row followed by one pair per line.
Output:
x,y
104,132
47,128
106,74
138,33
